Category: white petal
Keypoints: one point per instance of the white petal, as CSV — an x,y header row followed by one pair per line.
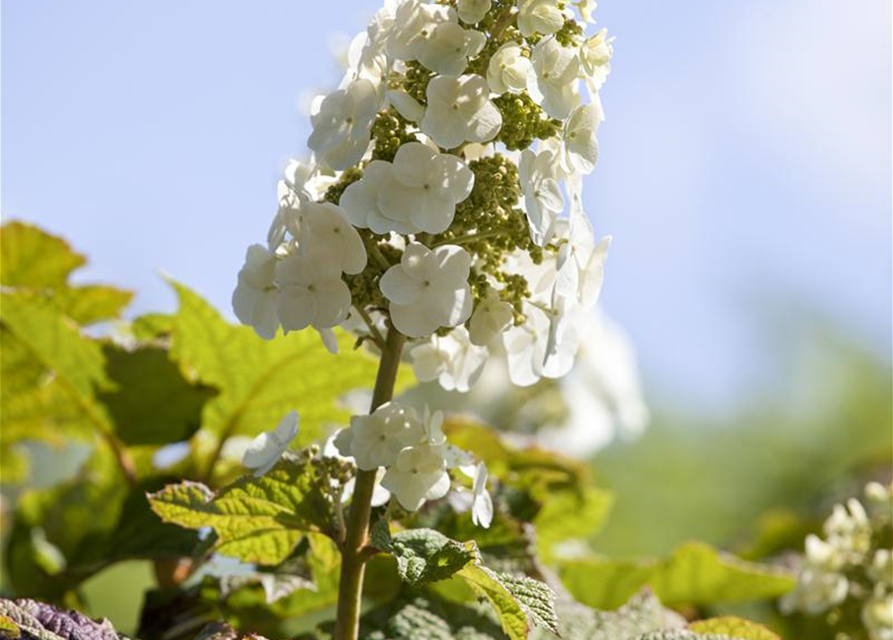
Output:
x,y
399,287
412,320
412,163
406,105
296,308
332,302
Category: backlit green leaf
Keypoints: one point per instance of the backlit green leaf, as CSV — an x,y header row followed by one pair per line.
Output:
x,y
256,519
694,574
152,402
735,627
260,380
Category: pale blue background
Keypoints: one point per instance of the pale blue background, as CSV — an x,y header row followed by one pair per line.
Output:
x,y
745,165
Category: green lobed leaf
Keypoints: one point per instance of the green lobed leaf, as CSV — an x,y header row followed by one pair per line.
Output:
x,y
486,583
695,574
429,618
38,264
49,372
735,627
536,599
62,535
571,515
256,519
152,402
34,258
683,634
262,380
642,614
426,555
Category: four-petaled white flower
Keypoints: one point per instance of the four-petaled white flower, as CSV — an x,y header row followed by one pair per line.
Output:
x,y
311,293
490,318
375,440
361,201
460,110
342,124
542,195
539,16
450,46
325,234
452,360
482,503
414,24
554,83
256,294
509,69
580,147
265,450
425,188
473,11
418,474
429,289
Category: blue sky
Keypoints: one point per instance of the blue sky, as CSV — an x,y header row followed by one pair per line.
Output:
x,y
745,164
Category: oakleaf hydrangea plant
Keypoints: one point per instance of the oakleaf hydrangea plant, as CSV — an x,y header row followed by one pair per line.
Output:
x,y
440,219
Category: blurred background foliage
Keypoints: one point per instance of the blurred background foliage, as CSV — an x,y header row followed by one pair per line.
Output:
x,y
753,481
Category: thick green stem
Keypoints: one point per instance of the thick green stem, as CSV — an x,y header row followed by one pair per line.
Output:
x,y
353,558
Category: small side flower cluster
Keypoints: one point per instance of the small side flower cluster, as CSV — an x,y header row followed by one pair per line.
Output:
x,y
848,574
444,191
413,451
409,451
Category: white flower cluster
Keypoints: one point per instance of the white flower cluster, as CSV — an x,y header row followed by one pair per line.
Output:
x,y
852,566
453,121
409,451
414,452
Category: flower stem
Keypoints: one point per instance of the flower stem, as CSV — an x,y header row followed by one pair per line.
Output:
x,y
353,558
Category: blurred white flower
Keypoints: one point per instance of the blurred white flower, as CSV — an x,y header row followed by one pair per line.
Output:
x,y
450,46
580,264
342,124
509,69
452,360
554,83
418,474
491,317
526,349
429,289
603,392
425,188
311,293
877,616
482,503
265,450
460,110
473,11
255,297
539,16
